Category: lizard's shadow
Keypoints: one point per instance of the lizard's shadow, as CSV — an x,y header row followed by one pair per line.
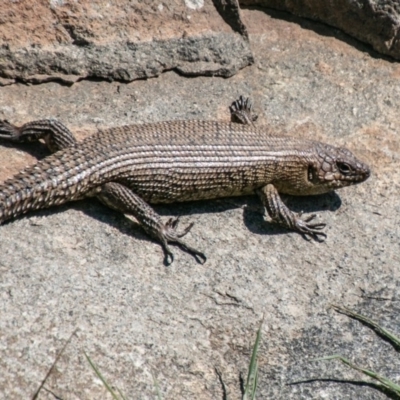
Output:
x,y
257,220
253,214
39,150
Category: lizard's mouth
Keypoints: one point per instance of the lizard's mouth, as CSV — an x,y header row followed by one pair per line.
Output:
x,y
337,179
355,173
360,174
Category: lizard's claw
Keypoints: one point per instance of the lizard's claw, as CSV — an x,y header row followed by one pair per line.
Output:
x,y
173,223
309,231
242,111
170,235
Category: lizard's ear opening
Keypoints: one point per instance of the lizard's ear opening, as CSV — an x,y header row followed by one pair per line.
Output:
x,y
312,174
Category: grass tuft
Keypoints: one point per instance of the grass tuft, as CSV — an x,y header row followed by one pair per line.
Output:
x,y
390,337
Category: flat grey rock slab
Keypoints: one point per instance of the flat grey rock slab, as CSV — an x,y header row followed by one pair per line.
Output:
x,y
86,269
124,41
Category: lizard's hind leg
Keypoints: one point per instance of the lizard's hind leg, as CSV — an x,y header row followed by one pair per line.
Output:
x,y
122,199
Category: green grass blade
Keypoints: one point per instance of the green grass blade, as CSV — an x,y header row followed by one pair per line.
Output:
x,y
105,383
255,383
382,331
122,396
157,386
387,383
252,377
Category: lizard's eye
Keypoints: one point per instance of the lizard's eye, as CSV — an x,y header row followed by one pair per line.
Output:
x,y
344,168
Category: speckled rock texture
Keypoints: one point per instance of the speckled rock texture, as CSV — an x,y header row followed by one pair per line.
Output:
x,y
376,22
124,40
86,269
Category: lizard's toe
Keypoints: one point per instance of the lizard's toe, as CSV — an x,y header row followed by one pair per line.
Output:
x,y
171,235
310,230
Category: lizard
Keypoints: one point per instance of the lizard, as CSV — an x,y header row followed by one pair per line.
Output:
x,y
130,167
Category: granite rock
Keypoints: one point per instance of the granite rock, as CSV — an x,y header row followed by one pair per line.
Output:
x,y
374,22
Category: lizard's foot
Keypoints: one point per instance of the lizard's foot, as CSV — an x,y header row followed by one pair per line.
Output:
x,y
242,111
281,215
169,234
309,231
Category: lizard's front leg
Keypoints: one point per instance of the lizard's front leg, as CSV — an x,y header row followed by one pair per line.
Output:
x,y
281,215
122,199
56,135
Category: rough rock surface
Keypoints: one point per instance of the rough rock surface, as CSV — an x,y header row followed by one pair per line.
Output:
x,y
123,40
375,22
87,268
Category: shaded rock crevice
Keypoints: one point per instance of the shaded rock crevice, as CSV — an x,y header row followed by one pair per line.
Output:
x,y
374,22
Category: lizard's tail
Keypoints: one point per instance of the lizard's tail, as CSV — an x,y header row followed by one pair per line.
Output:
x,y
21,194
36,188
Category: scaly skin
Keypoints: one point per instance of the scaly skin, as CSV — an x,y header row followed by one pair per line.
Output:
x,y
175,161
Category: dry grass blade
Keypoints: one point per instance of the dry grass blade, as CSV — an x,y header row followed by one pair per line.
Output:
x,y
224,390
34,397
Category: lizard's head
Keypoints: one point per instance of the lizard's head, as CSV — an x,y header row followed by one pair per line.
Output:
x,y
334,168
